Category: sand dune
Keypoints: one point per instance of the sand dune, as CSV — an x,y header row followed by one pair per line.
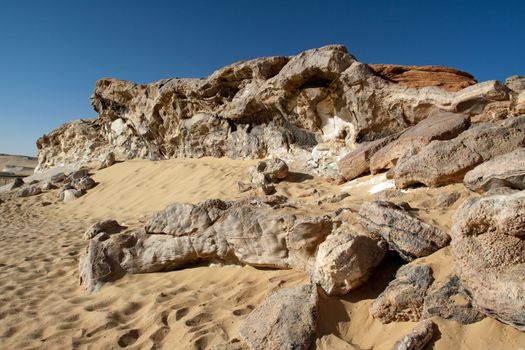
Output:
x,y
43,306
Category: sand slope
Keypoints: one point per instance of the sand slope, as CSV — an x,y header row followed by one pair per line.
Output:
x,y
42,305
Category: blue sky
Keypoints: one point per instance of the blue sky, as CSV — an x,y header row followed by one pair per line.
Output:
x,y
52,52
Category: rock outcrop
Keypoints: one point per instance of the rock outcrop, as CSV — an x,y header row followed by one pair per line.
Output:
x,y
287,319
447,78
507,170
257,232
445,162
488,247
345,260
322,101
406,234
403,299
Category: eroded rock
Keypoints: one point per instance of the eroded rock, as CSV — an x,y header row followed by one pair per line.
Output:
x,y
449,301
109,226
488,247
418,338
345,260
287,319
445,162
30,190
268,171
507,170
406,234
403,299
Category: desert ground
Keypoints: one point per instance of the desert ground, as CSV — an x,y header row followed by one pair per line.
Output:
x,y
44,307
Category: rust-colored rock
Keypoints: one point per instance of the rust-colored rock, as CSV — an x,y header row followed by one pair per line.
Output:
x,y
447,78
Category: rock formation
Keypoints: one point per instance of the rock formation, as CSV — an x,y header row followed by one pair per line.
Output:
x,y
406,234
403,299
418,338
306,107
507,170
447,78
488,247
287,319
345,260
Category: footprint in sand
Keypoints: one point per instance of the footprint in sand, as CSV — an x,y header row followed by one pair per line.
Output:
x,y
243,311
180,313
128,338
202,317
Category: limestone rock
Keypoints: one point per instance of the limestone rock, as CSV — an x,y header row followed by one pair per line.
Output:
x,y
47,186
507,170
437,126
516,83
27,191
67,195
445,162
447,78
287,319
83,183
109,226
418,338
108,161
57,178
268,171
403,299
16,183
488,247
406,234
345,260
450,302
357,162
254,231
275,106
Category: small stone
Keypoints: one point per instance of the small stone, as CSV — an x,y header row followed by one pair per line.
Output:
x,y
420,335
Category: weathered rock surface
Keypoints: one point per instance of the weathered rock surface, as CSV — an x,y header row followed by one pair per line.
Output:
x,y
449,301
507,170
109,226
445,162
406,234
437,126
345,260
488,247
516,83
447,78
287,319
278,106
357,162
16,183
83,183
268,171
258,232
447,199
403,299
70,194
30,190
108,161
418,338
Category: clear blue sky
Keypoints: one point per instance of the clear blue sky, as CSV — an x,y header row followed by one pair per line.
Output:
x,y
52,52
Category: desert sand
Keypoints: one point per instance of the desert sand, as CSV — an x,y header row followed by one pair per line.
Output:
x,y
43,306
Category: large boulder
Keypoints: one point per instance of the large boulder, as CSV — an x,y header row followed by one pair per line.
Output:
x,y
444,162
345,260
438,125
287,319
403,299
507,170
406,234
488,247
257,232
